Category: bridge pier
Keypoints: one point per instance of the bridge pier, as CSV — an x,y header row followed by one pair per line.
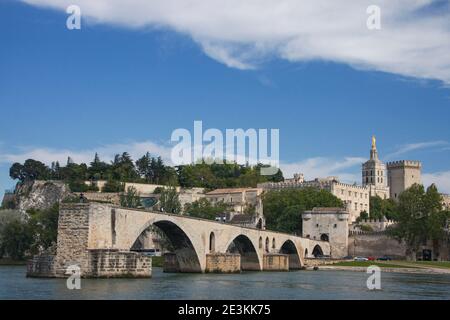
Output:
x,y
276,262
223,263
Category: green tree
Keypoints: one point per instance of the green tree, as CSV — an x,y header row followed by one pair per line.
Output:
x,y
283,209
204,209
420,217
380,208
130,199
113,186
16,239
31,170
44,226
169,200
144,169
98,169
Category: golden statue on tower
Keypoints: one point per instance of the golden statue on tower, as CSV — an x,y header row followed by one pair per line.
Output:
x,y
374,142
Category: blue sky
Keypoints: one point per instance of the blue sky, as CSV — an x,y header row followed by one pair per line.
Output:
x,y
117,87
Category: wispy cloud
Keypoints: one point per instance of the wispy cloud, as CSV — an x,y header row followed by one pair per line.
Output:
x,y
321,167
348,169
413,41
417,146
441,179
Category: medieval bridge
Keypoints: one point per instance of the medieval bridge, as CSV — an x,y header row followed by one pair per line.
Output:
x,y
198,245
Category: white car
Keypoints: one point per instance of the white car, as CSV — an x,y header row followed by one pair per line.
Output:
x,y
361,259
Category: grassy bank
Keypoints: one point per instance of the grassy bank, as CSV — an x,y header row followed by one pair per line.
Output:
x,y
366,264
157,262
10,262
431,264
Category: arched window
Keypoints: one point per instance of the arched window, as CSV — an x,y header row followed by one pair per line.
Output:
x,y
259,226
306,253
267,244
212,242
274,244
325,237
260,242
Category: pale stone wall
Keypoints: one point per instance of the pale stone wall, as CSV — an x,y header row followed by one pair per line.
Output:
x,y
356,198
375,245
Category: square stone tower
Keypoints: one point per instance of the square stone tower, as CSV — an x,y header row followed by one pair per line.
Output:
x,y
328,224
374,174
402,175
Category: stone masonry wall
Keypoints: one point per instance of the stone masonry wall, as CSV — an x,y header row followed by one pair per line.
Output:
x,y
116,264
375,246
223,263
42,266
73,235
276,262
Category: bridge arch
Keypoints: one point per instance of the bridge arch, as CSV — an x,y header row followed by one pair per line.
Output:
x,y
181,244
289,248
317,252
249,256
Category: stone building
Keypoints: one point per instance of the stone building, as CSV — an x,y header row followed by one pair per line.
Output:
x,y
239,199
445,201
374,175
402,175
328,224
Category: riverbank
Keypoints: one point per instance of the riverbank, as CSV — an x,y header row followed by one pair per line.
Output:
x,y
391,267
10,262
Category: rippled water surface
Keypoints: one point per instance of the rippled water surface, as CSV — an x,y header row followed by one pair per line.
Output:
x,y
271,286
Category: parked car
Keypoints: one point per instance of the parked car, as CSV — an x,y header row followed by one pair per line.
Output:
x,y
347,258
371,258
361,259
385,258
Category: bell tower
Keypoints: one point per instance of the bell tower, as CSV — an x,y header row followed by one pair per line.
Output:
x,y
374,174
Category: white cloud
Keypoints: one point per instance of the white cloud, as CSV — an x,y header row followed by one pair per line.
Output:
x,y
417,146
347,169
413,41
441,179
321,167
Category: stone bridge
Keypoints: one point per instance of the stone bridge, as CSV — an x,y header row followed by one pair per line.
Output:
x,y
95,234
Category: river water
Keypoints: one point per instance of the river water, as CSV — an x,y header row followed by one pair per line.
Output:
x,y
302,285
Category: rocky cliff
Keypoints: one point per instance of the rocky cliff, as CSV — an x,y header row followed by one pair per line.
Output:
x,y
39,194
